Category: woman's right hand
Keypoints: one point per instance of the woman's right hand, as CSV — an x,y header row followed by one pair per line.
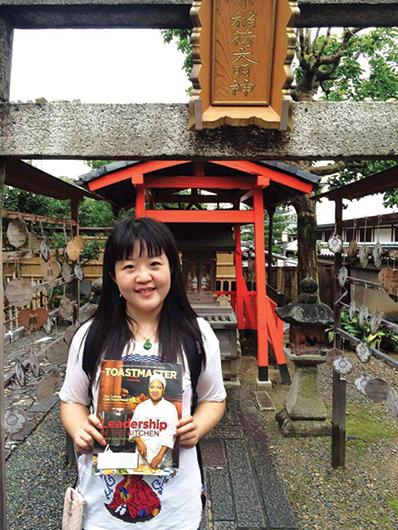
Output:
x,y
85,436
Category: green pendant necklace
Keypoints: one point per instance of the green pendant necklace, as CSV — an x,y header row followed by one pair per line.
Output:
x,y
147,344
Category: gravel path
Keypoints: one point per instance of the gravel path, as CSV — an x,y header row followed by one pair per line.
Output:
x,y
364,495
37,478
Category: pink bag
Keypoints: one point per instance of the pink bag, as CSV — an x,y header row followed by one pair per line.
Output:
x,y
74,510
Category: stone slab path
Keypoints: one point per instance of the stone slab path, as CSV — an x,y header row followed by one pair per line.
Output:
x,y
244,490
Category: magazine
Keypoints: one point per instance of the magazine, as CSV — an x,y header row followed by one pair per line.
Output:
x,y
140,405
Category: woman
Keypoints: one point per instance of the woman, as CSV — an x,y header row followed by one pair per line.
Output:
x,y
144,315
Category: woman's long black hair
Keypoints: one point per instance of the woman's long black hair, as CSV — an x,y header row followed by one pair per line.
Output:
x,y
111,322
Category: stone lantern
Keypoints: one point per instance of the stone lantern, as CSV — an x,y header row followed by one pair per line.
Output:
x,y
304,413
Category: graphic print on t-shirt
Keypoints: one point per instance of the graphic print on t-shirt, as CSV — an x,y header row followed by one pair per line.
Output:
x,y
134,500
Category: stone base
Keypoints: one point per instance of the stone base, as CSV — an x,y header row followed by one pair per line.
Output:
x,y
232,383
291,427
264,384
303,401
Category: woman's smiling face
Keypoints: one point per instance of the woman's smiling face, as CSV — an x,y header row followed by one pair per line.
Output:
x,y
143,281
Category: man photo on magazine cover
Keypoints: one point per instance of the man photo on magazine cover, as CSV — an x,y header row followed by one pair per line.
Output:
x,y
153,427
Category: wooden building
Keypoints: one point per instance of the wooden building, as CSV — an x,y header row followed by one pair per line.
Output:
x,y
239,191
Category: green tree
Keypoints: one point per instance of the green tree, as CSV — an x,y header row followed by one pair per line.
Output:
x,y
281,220
96,164
92,213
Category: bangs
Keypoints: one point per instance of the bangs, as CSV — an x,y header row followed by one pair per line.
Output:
x,y
149,239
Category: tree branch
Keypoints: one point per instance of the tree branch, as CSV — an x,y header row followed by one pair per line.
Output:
x,y
322,48
327,169
330,169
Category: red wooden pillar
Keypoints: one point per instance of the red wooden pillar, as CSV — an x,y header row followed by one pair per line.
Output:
x,y
261,285
239,278
138,182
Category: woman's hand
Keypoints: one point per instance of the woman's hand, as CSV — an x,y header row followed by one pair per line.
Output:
x,y
188,431
85,436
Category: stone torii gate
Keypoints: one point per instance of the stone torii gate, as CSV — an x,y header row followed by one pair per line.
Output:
x,y
323,130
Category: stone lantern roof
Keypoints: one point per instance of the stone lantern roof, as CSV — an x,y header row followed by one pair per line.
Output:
x,y
308,310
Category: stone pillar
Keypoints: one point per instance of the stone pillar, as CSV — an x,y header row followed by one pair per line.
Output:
x,y
6,39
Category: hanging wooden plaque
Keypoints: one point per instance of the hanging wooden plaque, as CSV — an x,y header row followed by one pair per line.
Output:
x,y
33,242
48,326
352,250
392,402
360,383
46,388
44,250
363,352
73,249
377,389
34,364
78,272
33,319
351,310
65,308
242,53
79,241
389,280
375,322
58,353
332,355
342,365
50,270
17,233
377,253
56,376
14,420
67,273
19,292
363,315
20,376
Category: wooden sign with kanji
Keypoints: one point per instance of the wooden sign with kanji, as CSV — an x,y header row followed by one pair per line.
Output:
x,y
242,52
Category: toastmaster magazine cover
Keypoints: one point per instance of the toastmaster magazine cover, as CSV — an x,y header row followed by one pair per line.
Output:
x,y
139,406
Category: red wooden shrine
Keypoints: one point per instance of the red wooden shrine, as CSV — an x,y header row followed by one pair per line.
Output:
x,y
237,182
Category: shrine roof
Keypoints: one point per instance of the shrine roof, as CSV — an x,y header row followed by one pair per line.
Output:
x,y
286,181
377,183
27,177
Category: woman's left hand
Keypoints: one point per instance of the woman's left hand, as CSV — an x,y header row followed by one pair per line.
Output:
x,y
188,431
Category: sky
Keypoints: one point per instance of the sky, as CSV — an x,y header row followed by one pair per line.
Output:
x,y
95,66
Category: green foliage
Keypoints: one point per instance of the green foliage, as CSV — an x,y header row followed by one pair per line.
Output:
x,y
96,164
92,213
383,340
25,201
281,222
356,67
182,38
91,250
367,70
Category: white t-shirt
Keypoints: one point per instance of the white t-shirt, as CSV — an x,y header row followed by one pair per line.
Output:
x,y
117,502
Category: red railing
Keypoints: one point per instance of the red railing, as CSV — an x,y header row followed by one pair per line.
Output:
x,y
249,316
